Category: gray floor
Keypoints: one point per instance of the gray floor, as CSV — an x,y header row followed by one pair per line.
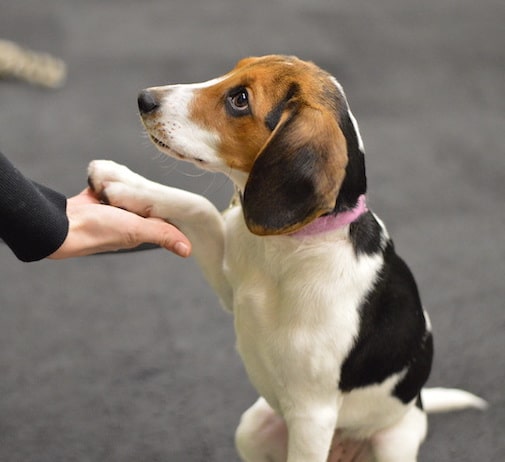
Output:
x,y
129,357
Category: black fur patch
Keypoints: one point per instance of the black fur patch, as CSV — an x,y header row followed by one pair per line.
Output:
x,y
392,334
366,235
418,371
292,185
354,184
273,117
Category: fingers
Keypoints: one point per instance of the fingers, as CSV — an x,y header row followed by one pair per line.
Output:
x,y
159,232
149,230
96,228
107,228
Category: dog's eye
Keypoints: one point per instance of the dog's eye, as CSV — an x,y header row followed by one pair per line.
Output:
x,y
238,102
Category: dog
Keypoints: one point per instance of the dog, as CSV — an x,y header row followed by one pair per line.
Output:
x,y
328,318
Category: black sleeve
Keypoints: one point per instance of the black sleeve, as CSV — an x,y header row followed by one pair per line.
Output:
x,y
33,220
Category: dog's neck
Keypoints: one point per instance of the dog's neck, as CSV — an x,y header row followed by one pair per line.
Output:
x,y
332,222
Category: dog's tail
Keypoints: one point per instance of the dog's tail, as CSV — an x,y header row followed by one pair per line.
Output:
x,y
450,399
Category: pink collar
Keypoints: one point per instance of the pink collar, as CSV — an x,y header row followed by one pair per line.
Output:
x,y
331,222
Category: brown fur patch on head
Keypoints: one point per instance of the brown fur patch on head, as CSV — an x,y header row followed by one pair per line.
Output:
x,y
289,142
268,80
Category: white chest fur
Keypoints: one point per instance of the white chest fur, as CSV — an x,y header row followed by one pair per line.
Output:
x,y
295,303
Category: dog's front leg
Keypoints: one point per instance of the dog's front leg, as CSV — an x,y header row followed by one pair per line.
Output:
x,y
197,217
310,432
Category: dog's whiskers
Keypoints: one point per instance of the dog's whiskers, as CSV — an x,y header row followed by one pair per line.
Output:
x,y
198,174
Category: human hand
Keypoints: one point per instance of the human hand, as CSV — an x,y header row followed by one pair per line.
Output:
x,y
95,227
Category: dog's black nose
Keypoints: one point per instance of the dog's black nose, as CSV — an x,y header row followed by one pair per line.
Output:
x,y
147,102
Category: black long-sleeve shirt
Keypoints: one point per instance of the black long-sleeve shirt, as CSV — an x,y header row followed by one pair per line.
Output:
x,y
33,219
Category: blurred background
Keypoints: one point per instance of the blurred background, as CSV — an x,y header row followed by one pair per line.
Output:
x,y
129,357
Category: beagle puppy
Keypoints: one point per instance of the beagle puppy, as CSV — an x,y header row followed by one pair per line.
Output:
x,y
328,319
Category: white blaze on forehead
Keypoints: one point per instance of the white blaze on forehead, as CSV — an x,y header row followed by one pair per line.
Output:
x,y
192,86
351,115
208,83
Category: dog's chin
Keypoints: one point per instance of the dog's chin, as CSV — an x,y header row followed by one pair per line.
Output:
x,y
169,151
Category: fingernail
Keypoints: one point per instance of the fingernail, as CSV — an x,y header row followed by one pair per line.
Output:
x,y
181,249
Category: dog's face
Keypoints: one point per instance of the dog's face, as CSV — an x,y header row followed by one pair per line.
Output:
x,y
278,126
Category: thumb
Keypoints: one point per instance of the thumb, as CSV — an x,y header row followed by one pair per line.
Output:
x,y
159,232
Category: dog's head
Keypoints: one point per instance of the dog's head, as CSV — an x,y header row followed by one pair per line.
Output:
x,y
280,127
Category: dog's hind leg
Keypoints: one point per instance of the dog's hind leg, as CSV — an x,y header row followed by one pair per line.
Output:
x,y
400,443
262,435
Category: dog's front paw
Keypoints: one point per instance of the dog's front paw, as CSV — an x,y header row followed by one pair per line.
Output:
x,y
116,184
102,173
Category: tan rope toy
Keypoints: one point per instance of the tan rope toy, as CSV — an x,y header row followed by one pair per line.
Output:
x,y
33,67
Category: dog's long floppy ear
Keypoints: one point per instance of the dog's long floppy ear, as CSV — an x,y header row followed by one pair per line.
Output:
x,y
297,175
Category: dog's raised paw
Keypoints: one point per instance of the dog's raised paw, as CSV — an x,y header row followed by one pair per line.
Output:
x,y
103,172
117,185
105,177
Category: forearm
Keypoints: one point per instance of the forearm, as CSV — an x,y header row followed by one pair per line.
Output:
x,y
33,221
